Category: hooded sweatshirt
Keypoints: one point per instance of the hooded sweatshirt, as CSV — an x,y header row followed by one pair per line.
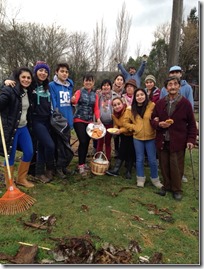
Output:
x,y
61,95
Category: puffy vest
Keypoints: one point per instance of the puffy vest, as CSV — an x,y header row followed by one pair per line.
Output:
x,y
85,106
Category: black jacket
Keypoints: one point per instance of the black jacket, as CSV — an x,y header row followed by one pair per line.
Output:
x,y
11,109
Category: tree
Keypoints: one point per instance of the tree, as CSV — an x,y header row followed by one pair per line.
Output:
x,y
174,43
189,50
99,48
120,44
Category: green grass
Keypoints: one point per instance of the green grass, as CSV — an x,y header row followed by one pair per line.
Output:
x,y
101,206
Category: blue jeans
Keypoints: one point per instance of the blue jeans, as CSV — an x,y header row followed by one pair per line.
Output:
x,y
140,147
23,140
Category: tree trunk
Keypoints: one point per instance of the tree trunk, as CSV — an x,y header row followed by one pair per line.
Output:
x,y
174,44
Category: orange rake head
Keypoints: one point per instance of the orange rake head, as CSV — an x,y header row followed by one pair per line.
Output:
x,y
14,201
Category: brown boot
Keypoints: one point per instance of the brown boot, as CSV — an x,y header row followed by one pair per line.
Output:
x,y
7,177
22,174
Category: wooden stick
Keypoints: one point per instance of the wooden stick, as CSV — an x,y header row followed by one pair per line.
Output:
x,y
28,244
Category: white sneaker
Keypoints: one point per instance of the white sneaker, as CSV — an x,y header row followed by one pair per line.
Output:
x,y
82,171
184,179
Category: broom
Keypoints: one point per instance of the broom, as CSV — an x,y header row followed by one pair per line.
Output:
x,y
13,201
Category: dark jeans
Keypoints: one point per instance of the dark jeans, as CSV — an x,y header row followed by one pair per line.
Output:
x,y
84,139
126,149
45,143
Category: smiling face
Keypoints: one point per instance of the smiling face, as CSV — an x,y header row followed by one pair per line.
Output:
x,y
149,84
140,97
42,74
173,87
62,74
88,83
25,79
117,105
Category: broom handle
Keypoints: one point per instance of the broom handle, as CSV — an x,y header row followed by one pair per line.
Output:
x,y
5,150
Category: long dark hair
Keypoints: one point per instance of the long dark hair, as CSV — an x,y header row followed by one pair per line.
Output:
x,y
135,108
44,83
18,72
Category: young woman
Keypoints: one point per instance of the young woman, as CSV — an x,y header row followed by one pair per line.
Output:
x,y
105,106
117,91
138,120
152,90
41,130
41,112
126,148
86,101
14,108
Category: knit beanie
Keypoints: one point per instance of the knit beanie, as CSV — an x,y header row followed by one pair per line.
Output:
x,y
131,82
41,64
150,77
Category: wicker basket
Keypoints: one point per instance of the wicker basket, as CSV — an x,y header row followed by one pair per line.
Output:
x,y
99,163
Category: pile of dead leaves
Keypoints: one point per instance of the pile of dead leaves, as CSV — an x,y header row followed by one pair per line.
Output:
x,y
80,250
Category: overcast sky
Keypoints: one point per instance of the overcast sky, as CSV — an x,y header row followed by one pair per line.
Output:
x,y
82,16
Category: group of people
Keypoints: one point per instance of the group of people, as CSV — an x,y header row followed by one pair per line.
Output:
x,y
28,99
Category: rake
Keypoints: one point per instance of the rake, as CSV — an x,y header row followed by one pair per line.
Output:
x,y
13,201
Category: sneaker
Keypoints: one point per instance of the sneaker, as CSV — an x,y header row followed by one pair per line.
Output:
x,y
184,179
59,173
82,170
86,167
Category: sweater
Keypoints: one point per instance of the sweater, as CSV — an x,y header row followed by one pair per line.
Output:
x,y
182,131
141,127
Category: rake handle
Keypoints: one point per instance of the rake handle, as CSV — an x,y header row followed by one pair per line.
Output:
x,y
5,150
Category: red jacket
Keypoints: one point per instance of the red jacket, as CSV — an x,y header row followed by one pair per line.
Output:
x,y
182,131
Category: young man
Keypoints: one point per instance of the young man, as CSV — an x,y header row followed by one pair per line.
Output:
x,y
132,73
185,90
174,136
61,90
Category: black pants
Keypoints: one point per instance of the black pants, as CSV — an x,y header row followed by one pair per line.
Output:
x,y
84,139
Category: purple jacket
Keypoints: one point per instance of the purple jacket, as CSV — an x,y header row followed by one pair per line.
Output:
x,y
182,131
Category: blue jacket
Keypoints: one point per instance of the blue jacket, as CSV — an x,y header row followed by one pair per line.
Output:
x,y
137,76
61,95
185,90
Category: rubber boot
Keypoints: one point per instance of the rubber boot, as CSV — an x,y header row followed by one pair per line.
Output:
x,y
116,168
141,181
22,174
7,177
40,173
156,182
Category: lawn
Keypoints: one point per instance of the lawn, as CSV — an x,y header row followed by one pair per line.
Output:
x,y
106,220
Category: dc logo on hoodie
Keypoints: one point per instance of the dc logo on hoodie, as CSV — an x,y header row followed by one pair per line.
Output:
x,y
64,98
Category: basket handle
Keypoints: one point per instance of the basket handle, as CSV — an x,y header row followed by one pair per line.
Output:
x,y
101,153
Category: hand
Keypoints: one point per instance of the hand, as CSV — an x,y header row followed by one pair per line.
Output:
x,y
73,99
164,124
156,118
144,58
99,121
9,82
190,146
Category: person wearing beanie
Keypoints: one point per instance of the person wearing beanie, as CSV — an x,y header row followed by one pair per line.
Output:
x,y
41,65
130,87
45,146
43,162
152,90
185,90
